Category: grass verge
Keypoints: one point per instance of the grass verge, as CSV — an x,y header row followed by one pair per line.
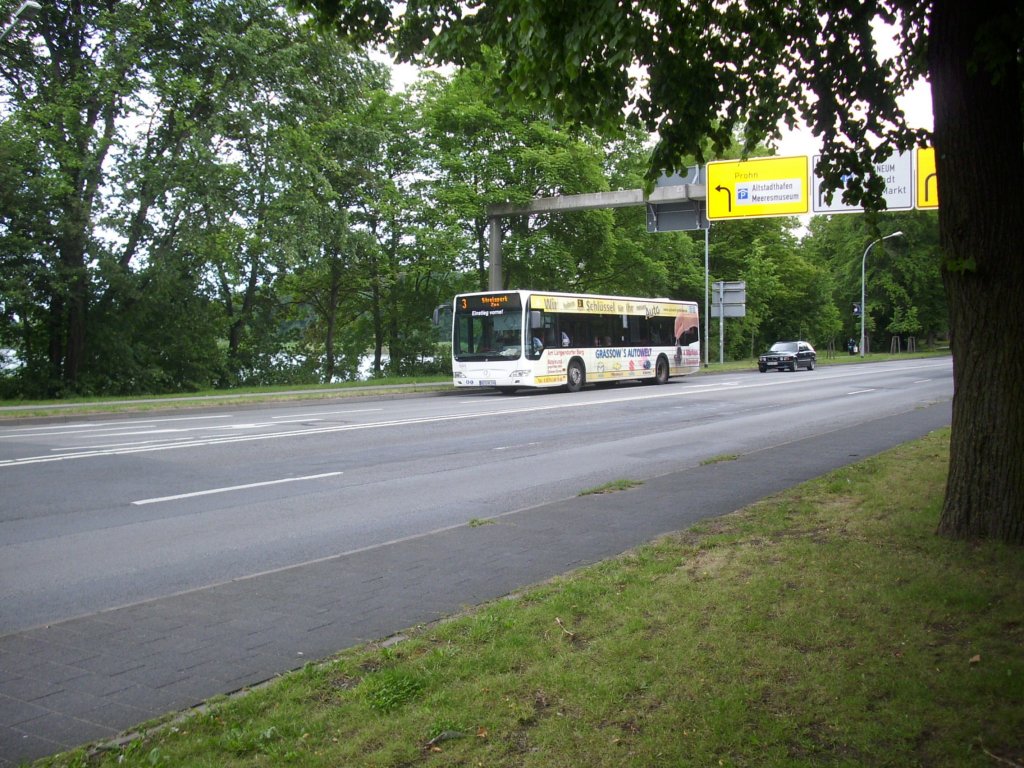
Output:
x,y
612,487
825,626
238,396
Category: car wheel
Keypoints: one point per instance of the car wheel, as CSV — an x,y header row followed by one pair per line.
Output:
x,y
810,365
763,368
575,376
796,367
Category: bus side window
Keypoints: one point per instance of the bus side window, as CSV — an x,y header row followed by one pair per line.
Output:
x,y
661,330
689,336
652,328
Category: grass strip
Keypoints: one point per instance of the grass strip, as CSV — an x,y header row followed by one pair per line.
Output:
x,y
611,487
827,625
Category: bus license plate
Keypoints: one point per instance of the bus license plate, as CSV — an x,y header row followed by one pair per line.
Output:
x,y
488,382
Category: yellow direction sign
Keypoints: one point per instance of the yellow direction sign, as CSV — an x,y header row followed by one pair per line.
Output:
x,y
770,186
926,194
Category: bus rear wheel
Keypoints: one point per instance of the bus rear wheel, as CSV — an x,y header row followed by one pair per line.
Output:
x,y
661,371
575,377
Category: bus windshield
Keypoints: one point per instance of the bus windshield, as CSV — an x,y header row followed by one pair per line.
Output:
x,y
488,327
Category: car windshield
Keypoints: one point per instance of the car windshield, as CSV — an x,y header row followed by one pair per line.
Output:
x,y
784,346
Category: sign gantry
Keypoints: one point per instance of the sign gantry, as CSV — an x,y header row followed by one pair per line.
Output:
x,y
735,189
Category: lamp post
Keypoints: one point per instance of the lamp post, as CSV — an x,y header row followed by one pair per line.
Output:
x,y
863,263
28,10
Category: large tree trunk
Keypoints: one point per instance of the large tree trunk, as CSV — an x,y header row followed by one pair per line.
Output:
x,y
68,348
979,143
333,299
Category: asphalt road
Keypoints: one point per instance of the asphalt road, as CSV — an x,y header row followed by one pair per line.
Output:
x,y
147,563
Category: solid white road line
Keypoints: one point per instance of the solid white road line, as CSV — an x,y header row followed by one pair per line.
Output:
x,y
232,488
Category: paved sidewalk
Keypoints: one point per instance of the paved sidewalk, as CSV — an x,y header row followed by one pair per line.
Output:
x,y
94,677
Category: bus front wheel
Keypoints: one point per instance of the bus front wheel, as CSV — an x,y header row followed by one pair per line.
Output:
x,y
575,376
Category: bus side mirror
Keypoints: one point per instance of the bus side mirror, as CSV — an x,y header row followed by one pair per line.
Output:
x,y
536,319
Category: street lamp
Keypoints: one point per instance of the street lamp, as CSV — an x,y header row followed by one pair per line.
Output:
x,y
28,10
863,306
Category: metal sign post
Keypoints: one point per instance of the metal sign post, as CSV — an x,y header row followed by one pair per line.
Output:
x,y
731,300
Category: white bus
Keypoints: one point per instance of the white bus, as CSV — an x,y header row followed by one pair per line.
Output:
x,y
513,339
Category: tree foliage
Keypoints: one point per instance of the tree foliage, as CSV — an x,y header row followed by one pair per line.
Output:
x,y
746,66
903,283
788,292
